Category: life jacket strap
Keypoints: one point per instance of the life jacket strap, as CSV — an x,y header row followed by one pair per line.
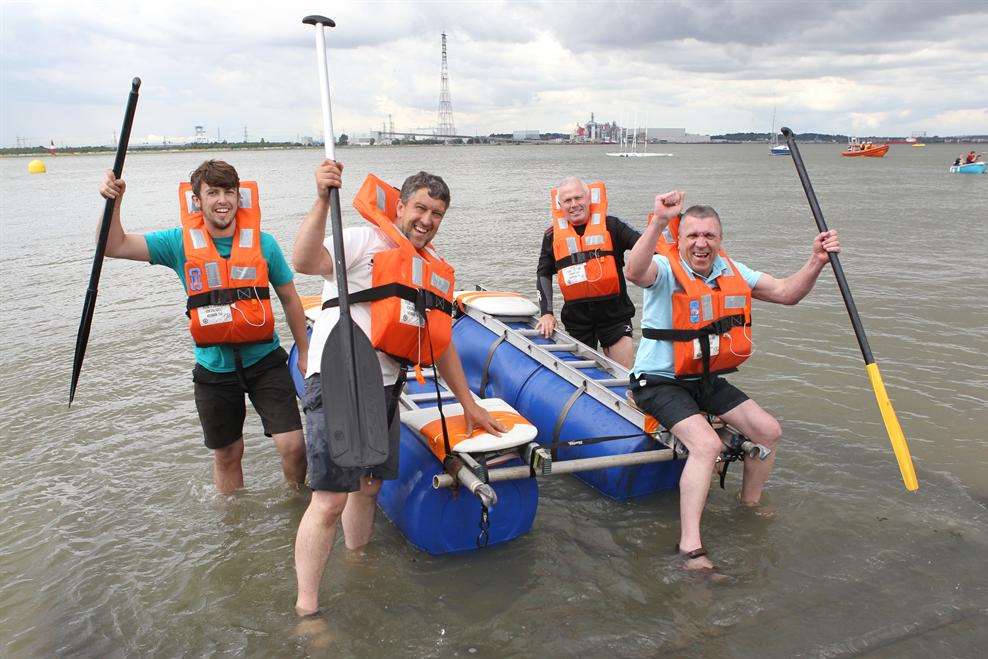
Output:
x,y
226,296
721,326
422,298
582,257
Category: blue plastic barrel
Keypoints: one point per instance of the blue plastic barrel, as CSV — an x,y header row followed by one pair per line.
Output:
x,y
540,395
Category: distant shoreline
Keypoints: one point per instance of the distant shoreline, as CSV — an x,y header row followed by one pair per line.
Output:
x,y
45,152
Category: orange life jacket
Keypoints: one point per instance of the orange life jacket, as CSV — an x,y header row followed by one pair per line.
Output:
x,y
411,290
710,326
585,265
228,298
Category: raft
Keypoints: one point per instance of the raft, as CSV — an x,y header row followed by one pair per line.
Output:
x,y
969,168
568,413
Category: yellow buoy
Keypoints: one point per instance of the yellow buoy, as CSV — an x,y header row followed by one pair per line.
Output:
x,y
36,167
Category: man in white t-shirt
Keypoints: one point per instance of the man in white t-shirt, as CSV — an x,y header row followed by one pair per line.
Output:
x,y
348,493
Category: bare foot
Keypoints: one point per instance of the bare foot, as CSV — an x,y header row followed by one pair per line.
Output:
x,y
757,507
306,613
317,631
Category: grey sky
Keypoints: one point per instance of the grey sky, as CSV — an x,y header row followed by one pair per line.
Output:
x,y
843,67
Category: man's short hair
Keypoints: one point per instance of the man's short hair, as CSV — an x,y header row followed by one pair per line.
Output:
x,y
702,213
435,186
215,173
574,180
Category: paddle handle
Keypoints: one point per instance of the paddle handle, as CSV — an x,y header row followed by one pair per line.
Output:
x,y
892,427
821,223
118,163
89,304
329,139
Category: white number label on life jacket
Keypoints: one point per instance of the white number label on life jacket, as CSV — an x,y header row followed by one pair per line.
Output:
x,y
409,316
214,315
714,347
574,274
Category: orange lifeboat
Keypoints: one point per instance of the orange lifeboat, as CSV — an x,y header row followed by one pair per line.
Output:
x,y
866,149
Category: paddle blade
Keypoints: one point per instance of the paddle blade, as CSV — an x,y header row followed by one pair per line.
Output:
x,y
898,440
82,339
353,399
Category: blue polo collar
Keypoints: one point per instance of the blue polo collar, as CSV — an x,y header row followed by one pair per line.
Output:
x,y
719,268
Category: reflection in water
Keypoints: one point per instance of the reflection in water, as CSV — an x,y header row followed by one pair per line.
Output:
x,y
114,541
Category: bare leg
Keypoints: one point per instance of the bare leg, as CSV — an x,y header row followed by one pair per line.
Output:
x,y
313,543
358,517
704,446
623,352
291,447
759,426
228,473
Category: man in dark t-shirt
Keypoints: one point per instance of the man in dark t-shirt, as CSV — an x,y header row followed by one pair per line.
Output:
x,y
599,321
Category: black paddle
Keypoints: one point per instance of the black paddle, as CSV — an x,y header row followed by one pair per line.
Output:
x,y
89,306
352,388
892,426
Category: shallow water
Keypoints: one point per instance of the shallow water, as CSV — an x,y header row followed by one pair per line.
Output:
x,y
115,543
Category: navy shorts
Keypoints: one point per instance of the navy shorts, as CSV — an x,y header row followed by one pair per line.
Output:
x,y
324,474
670,400
220,399
604,322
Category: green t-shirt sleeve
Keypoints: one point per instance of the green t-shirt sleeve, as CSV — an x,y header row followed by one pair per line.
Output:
x,y
165,247
279,272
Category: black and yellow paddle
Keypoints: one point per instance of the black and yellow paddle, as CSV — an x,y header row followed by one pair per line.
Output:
x,y
89,305
353,397
884,404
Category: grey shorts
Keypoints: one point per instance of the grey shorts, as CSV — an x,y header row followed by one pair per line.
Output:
x,y
670,400
326,475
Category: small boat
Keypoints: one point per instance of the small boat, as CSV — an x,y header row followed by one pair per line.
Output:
x,y
777,148
969,168
866,149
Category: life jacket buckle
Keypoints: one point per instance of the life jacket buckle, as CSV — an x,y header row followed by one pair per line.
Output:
x,y
420,302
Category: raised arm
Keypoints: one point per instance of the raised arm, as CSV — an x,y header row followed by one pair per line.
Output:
x,y
310,256
796,286
639,268
119,243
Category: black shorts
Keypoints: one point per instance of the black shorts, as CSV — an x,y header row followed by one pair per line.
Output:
x,y
324,474
221,406
598,322
670,400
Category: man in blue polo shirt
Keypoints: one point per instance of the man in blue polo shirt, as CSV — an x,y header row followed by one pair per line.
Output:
x,y
680,402
255,364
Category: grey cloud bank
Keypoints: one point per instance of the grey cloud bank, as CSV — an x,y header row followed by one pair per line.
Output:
x,y
843,67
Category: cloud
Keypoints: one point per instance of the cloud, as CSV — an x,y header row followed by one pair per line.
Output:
x,y
706,66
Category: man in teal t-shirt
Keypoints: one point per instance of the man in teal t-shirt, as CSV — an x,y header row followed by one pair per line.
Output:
x,y
681,403
224,373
